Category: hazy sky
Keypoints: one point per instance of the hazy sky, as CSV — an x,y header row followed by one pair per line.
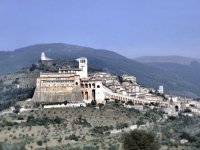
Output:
x,y
130,27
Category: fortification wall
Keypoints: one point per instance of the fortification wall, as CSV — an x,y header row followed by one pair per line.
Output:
x,y
73,96
55,87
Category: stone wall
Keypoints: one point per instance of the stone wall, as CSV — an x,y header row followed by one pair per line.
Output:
x,y
58,87
73,96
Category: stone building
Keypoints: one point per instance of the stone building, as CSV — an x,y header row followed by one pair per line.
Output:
x,y
70,85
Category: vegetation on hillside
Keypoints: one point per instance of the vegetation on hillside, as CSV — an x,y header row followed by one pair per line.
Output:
x,y
140,139
91,128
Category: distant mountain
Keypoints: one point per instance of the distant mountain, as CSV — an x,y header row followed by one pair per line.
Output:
x,y
185,68
147,75
167,59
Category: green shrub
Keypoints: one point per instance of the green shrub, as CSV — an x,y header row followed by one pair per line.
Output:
x,y
101,129
114,147
89,148
31,120
17,109
187,136
58,120
172,118
122,125
39,143
72,137
139,139
187,110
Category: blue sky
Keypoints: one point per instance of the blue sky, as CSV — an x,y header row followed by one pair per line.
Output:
x,y
132,28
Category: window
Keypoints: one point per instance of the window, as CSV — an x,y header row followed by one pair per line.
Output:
x,y
82,85
93,85
86,85
82,61
98,86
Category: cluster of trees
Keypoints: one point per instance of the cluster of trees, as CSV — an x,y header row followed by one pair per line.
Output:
x,y
31,120
82,121
140,140
101,129
72,137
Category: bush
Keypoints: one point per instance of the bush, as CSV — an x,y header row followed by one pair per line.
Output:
x,y
139,139
93,103
57,120
172,118
60,140
122,125
142,120
72,137
100,106
129,103
83,122
20,118
17,109
31,120
88,148
114,147
187,136
187,110
101,129
39,143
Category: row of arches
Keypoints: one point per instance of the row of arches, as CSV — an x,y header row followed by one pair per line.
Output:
x,y
86,85
89,85
125,99
86,96
121,98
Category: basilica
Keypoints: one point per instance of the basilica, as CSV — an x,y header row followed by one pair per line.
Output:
x,y
68,85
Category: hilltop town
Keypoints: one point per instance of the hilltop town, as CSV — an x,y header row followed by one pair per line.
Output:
x,y
74,85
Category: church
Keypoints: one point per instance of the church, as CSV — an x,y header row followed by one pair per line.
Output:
x,y
71,85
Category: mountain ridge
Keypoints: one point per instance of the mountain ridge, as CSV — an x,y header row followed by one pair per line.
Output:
x,y
167,59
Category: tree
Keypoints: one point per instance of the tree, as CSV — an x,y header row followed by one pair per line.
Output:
x,y
39,143
60,140
93,103
187,110
187,136
139,139
17,109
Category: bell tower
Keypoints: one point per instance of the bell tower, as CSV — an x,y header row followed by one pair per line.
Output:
x,y
83,66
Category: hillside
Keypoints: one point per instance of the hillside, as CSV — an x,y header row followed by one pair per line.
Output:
x,y
88,128
99,59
